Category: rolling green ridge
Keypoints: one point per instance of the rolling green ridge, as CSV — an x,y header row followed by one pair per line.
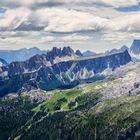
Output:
x,y
75,114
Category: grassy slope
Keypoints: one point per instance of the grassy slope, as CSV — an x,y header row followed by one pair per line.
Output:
x,y
104,121
76,114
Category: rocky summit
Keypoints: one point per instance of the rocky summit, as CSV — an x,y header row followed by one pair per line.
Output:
x,y
135,47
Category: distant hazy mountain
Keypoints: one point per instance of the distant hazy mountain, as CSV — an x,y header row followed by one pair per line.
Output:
x,y
134,50
88,53
19,55
2,62
58,68
123,48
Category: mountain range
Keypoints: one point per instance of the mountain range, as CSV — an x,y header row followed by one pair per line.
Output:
x,y
123,48
19,55
24,54
58,68
134,50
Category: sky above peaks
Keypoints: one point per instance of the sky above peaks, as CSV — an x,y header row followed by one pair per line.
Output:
x,y
96,25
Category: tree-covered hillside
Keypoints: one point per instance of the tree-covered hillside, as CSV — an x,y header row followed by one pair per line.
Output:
x,y
75,114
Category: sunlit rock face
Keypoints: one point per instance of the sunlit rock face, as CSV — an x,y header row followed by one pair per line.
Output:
x,y
135,47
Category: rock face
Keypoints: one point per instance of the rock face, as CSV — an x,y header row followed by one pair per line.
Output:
x,y
56,55
79,53
63,74
29,86
135,47
36,96
2,62
126,82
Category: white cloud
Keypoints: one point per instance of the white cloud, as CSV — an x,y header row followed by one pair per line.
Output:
x,y
13,18
64,20
30,3
20,3
122,28
28,18
68,20
52,19
116,37
127,23
67,38
118,3
75,37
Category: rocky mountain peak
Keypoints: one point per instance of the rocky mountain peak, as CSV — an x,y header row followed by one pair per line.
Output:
x,y
135,47
56,50
67,51
78,52
58,74
124,47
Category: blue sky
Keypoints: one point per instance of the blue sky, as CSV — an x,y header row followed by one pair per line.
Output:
x,y
97,25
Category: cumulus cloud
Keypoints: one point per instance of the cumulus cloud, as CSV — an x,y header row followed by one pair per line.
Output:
x,y
11,19
36,3
71,21
65,20
128,23
122,28
50,20
118,3
116,37
77,18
